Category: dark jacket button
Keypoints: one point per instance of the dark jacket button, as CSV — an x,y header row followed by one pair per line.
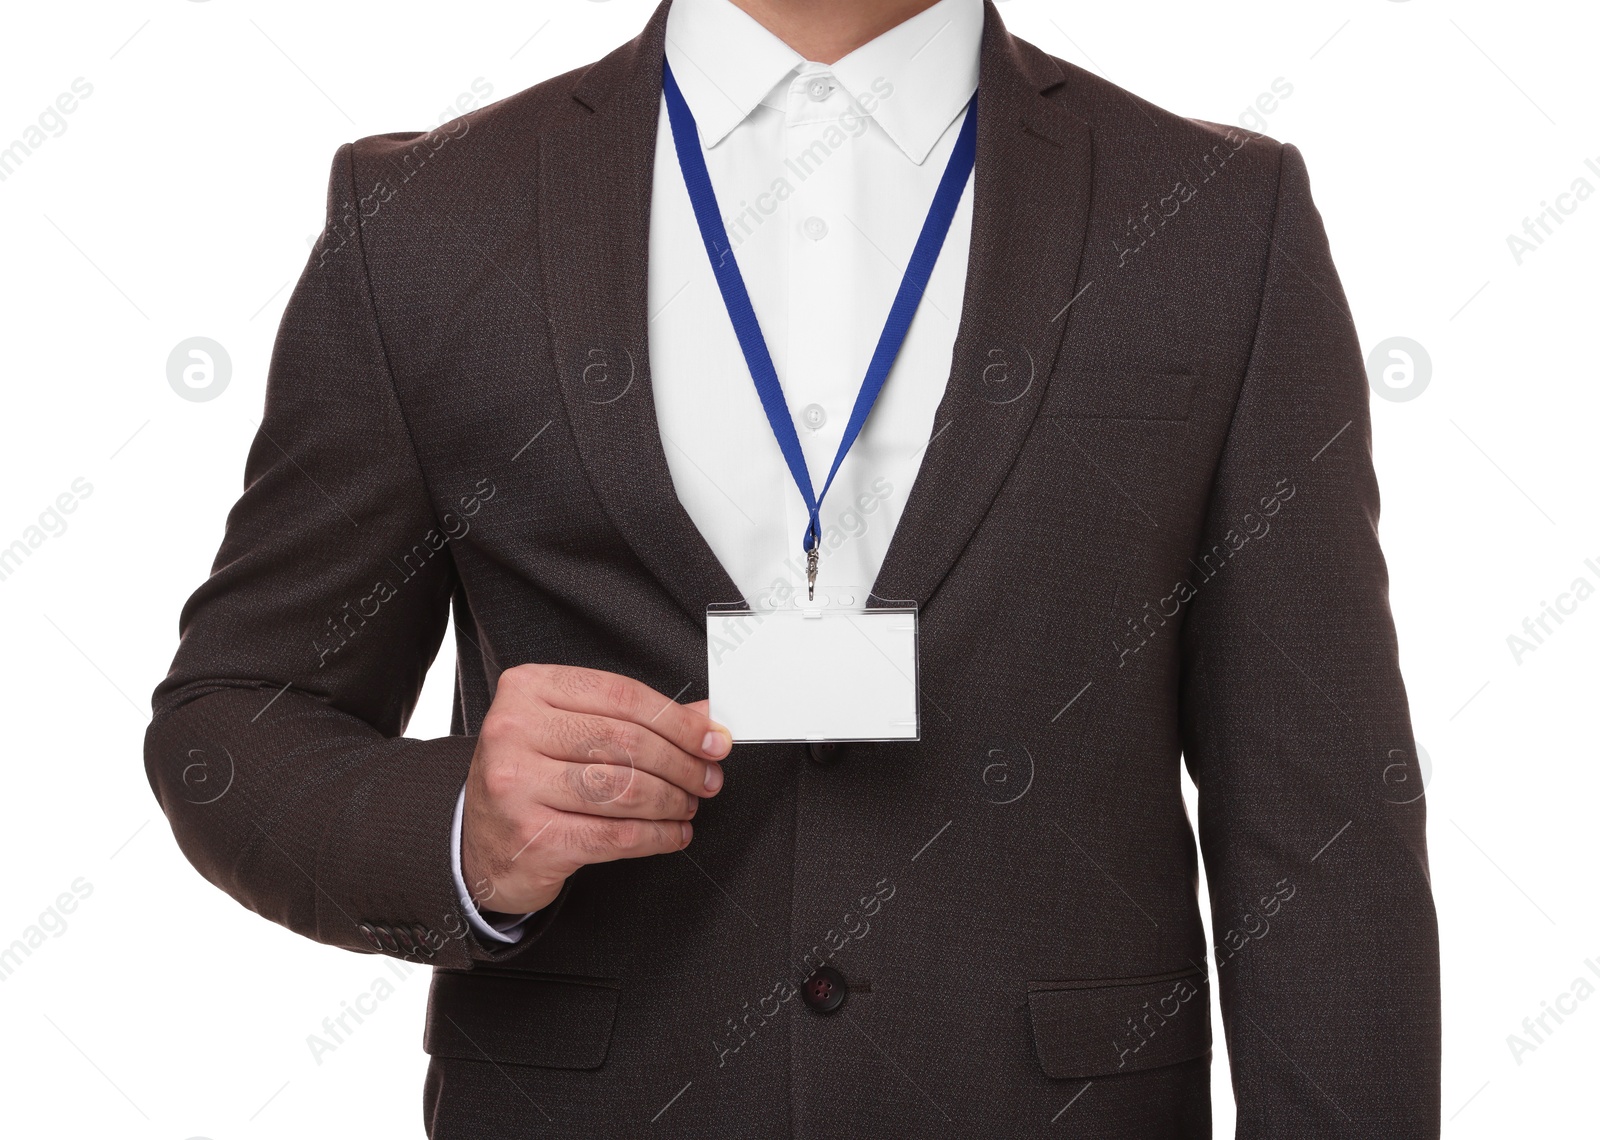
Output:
x,y
825,752
824,991
428,940
370,935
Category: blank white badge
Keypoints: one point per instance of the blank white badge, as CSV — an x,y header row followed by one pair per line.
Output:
x,y
789,668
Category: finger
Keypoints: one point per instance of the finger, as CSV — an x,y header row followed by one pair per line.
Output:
x,y
595,839
597,692
708,746
618,790
581,737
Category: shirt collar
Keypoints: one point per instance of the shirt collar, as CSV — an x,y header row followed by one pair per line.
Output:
x,y
726,64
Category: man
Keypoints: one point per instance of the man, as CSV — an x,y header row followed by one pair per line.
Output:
x,y
1121,466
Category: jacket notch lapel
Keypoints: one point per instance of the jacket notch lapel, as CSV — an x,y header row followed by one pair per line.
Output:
x,y
595,180
1031,197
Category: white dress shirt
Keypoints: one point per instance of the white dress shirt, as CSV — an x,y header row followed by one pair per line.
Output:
x,y
824,174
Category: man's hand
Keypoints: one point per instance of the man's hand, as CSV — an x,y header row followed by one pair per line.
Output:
x,y
577,766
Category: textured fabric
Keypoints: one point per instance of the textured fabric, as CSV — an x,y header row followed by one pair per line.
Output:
x,y
1145,527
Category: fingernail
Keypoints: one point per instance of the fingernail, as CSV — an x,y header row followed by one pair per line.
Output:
x,y
715,744
713,777
688,833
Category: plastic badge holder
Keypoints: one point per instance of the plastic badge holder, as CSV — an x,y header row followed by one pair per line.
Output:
x,y
786,668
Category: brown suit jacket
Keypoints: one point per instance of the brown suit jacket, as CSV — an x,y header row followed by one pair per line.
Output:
x,y
1145,526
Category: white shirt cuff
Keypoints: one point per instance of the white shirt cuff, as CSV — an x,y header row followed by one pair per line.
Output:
x,y
511,930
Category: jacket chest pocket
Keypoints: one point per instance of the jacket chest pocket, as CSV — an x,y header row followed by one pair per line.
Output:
x,y
1132,393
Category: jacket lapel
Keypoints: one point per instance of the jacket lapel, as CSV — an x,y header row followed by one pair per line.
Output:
x,y
594,225
1030,213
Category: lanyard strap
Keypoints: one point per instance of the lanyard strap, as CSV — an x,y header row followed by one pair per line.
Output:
x,y
686,138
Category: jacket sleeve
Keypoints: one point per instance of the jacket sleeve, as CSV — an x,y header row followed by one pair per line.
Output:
x,y
1297,734
275,748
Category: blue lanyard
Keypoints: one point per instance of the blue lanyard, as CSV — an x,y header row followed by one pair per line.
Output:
x,y
686,137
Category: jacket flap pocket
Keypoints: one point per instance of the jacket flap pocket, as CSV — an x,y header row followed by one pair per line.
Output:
x,y
552,1021
1124,394
1095,1029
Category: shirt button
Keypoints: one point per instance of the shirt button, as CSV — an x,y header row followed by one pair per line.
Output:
x,y
814,416
814,228
824,991
819,89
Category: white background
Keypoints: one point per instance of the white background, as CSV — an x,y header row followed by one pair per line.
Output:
x,y
180,202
